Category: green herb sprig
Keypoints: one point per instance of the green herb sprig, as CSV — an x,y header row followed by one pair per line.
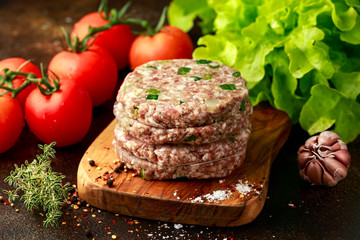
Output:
x,y
40,186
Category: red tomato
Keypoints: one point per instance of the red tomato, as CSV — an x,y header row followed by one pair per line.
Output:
x,y
11,122
13,64
170,43
93,69
63,117
117,40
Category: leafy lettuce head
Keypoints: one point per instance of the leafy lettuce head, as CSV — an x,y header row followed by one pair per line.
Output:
x,y
302,56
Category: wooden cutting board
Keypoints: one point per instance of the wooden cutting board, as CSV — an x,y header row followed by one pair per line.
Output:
x,y
188,201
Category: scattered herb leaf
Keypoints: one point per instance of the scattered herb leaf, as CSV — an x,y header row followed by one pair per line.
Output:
x,y
228,87
183,70
181,102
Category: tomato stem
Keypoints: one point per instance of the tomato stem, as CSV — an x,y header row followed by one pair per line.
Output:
x,y
46,85
115,18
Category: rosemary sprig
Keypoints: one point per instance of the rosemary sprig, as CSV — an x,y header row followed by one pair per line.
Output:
x,y
40,186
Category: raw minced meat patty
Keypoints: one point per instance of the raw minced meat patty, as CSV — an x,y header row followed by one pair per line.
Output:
x,y
191,135
152,171
182,93
170,154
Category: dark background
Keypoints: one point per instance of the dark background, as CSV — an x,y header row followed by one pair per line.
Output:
x,y
31,29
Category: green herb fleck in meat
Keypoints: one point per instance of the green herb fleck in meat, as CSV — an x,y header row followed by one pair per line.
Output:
x,y
236,74
125,87
228,87
191,138
151,66
214,66
142,174
152,97
154,94
219,119
232,139
203,61
196,78
181,102
136,110
181,178
207,76
153,91
242,106
183,70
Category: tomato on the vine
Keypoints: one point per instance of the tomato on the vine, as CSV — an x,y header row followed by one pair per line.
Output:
x,y
11,122
117,40
64,116
94,69
169,43
14,64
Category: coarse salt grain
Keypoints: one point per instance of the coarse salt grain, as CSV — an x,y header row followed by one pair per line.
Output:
x,y
197,199
178,226
243,187
218,195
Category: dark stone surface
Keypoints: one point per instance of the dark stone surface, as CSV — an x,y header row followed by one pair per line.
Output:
x,y
31,29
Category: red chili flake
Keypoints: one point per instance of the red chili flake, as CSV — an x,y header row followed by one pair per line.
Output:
x,y
107,228
85,214
130,222
223,184
114,222
6,203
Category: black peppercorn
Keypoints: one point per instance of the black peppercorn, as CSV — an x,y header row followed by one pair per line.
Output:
x,y
110,182
92,162
73,199
88,233
118,169
82,202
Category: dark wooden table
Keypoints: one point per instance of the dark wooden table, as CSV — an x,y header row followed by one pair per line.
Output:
x,y
293,210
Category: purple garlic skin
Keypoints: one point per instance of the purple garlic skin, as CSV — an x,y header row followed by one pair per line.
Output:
x,y
324,159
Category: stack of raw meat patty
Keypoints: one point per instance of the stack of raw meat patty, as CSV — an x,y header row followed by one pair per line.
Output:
x,y
182,119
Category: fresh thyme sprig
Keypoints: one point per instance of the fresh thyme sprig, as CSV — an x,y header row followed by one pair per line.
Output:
x,y
40,186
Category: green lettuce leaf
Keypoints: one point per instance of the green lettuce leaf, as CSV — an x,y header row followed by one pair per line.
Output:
x,y
327,107
182,13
